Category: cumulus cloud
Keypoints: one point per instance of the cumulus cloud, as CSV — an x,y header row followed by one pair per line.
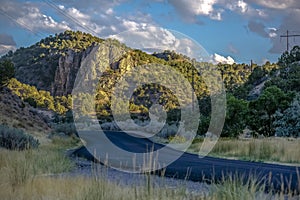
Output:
x,y
151,39
29,16
81,21
221,59
190,9
276,4
244,8
214,9
239,6
96,5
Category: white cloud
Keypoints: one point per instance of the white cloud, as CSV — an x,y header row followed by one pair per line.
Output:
x,y
99,5
239,6
272,32
35,20
276,4
190,9
214,9
77,14
29,16
221,59
109,11
151,39
244,8
62,7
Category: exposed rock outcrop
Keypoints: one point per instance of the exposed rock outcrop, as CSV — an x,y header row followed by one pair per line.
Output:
x,y
56,73
66,71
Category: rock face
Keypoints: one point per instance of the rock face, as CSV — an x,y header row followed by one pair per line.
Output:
x,y
66,71
56,73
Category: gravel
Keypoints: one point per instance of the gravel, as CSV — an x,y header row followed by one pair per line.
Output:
x,y
89,169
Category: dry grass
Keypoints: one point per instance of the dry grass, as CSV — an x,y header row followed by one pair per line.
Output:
x,y
25,175
283,150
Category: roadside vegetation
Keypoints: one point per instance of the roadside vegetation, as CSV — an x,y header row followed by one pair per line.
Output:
x,y
279,150
37,174
262,99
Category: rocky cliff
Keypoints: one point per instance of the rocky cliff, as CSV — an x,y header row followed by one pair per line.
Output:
x,y
65,72
56,73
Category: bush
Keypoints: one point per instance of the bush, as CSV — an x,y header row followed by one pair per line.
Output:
x,y
16,139
68,129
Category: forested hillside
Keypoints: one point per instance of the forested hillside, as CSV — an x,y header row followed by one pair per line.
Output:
x,y
264,99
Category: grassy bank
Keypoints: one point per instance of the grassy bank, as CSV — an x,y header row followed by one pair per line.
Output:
x,y
25,175
283,150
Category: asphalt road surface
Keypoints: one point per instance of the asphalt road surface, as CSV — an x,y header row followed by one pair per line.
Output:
x,y
208,169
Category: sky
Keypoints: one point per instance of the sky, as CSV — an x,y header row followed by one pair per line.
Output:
x,y
230,31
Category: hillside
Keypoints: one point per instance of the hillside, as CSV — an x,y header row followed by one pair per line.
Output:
x,y
46,72
16,113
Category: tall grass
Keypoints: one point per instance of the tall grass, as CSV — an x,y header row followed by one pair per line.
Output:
x,y
24,175
82,188
234,188
283,150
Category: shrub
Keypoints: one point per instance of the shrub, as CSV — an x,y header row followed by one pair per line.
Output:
x,y
68,129
16,139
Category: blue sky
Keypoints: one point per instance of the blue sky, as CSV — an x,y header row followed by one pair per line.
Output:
x,y
230,31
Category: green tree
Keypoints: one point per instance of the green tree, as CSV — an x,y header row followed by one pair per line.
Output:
x,y
262,110
287,123
7,72
236,116
288,58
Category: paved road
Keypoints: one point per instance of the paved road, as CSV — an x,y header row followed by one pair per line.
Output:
x,y
191,167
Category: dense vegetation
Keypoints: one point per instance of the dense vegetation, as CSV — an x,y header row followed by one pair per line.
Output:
x,y
16,139
7,71
260,98
279,91
40,98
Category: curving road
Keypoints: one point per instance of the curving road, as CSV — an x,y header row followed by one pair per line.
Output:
x,y
191,167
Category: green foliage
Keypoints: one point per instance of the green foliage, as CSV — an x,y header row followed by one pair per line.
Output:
x,y
276,81
236,117
68,129
76,41
16,139
287,78
40,98
288,58
234,75
7,71
263,109
203,125
287,123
